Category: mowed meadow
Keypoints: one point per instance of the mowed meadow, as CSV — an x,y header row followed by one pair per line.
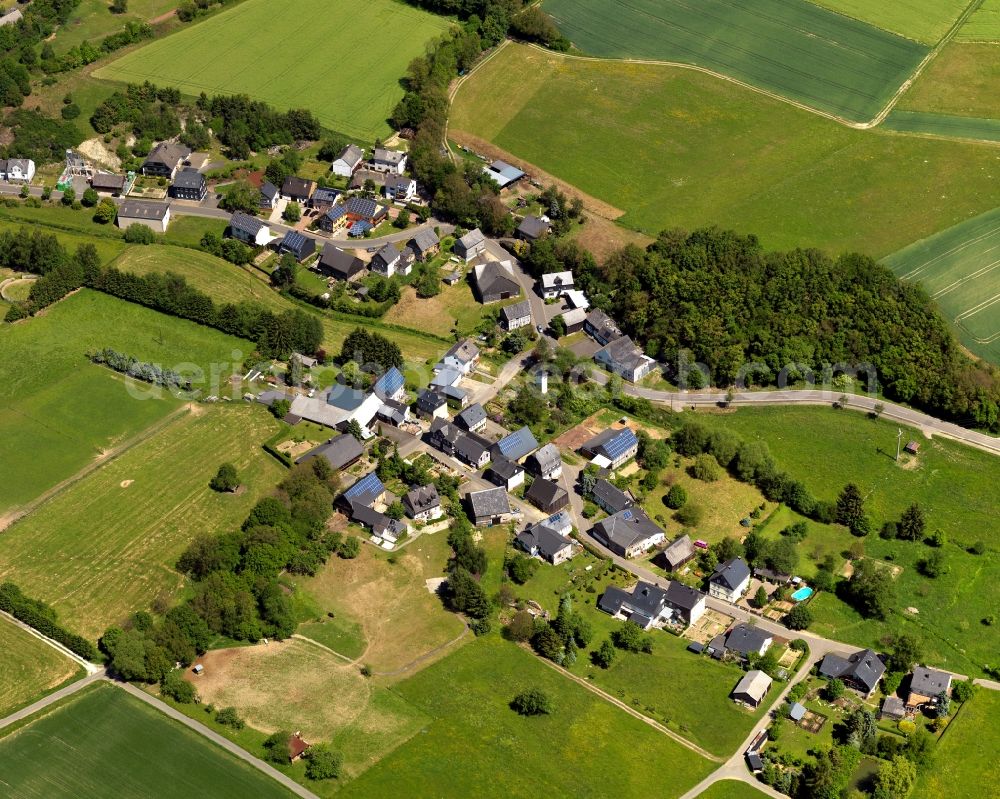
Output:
x,y
827,61
960,269
59,412
106,546
29,667
678,148
341,59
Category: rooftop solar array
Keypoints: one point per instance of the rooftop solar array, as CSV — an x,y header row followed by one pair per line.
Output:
x,y
621,443
369,484
517,444
389,383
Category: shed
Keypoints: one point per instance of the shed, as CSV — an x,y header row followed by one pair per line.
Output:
x,y
696,647
912,448
797,712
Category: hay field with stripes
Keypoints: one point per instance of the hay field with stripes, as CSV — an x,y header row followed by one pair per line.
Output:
x,y
960,269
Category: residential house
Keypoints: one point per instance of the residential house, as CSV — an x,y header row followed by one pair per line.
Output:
x,y
547,496
517,315
893,709
546,462
189,184
337,407
752,689
609,497
386,261
445,377
573,320
772,576
269,195
165,159
462,355
365,179
324,199
391,385
364,209
505,473
399,188
384,160
249,229
340,451
628,533
108,183
470,245
296,747
423,504
299,245
601,327
335,262
17,170
394,413
503,174
554,284
425,244
926,685
623,357
860,671
515,446
559,521
687,603
677,553
155,216
457,397
542,541
533,228
613,447
333,220
645,605
296,189
745,639
432,404
382,526
367,491
577,300
472,419
471,449
730,580
489,507
494,281
350,158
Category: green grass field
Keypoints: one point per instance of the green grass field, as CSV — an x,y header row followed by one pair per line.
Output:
x,y
92,21
313,58
105,742
983,25
965,763
58,412
943,125
731,789
107,545
826,449
923,20
697,151
960,269
962,81
29,668
478,746
790,47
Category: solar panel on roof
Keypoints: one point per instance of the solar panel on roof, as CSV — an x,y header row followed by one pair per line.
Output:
x,y
620,443
369,484
627,515
390,382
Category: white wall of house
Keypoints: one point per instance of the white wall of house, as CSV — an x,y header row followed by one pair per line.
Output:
x,y
721,592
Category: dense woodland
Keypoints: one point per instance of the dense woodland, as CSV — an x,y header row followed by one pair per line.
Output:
x,y
722,298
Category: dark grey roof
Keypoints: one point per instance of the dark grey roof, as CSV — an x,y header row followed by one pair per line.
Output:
x,y
167,153
325,195
611,496
679,551
269,190
297,186
245,223
364,207
338,451
489,502
648,599
137,209
624,352
683,596
351,155
503,469
296,242
731,574
864,667
545,493
518,310
626,528
340,262
929,682
600,321
612,443
105,180
424,240
429,401
495,278
471,416
545,460
744,638
547,541
471,447
533,226
189,178
421,499
388,254
516,445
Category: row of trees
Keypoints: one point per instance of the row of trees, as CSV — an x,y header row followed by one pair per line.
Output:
x,y
42,617
718,298
140,370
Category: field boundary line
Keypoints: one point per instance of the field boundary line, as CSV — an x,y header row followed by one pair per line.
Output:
x,y
457,84
635,713
8,521
55,696
424,657
325,648
216,738
91,668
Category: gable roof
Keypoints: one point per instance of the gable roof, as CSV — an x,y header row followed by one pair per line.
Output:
x,y
679,550
548,458
556,280
731,574
463,351
389,383
489,502
471,239
547,540
754,684
445,377
367,488
600,321
518,310
351,155
495,277
648,599
297,186
340,261
422,498
533,226
107,180
611,496
325,195
138,209
627,527
612,443
168,153
929,682
189,178
424,240
516,445
504,469
545,492
623,352
269,190
745,638
864,667
503,173
338,451
295,241
388,156
250,225
472,416
362,206
429,400
683,596
388,254
345,397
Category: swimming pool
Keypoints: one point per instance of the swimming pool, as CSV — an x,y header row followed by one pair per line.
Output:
x,y
802,594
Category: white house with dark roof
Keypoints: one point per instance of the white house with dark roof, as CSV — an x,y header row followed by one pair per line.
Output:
x,y
463,356
645,605
628,533
860,671
391,385
422,504
155,216
609,497
384,160
505,473
350,158
471,245
249,229
623,357
472,419
470,448
542,541
269,195
545,463
926,686
490,506
165,159
517,315
687,603
399,188
432,404
337,406
387,261
17,170
601,327
555,284
730,580
746,639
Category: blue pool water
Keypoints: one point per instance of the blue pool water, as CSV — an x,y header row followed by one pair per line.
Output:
x,y
803,593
